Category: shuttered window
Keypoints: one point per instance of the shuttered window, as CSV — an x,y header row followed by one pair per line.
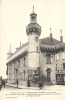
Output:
x,y
56,56
49,59
63,55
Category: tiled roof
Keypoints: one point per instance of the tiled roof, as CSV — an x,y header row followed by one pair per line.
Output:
x,y
49,41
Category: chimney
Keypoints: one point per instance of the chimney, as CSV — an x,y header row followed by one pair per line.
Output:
x,y
51,34
61,37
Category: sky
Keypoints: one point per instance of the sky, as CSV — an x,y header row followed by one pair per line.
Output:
x,y
15,17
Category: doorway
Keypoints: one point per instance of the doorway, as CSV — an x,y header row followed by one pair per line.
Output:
x,y
60,79
48,75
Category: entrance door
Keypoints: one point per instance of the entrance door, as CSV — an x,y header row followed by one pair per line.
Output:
x,y
60,79
48,75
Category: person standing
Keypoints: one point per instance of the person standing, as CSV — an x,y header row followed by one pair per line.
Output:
x,y
4,83
40,84
28,83
0,85
17,83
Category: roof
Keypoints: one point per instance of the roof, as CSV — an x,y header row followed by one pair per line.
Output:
x,y
45,42
49,41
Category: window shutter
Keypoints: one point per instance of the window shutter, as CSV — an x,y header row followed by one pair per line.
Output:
x,y
57,66
51,58
61,66
63,55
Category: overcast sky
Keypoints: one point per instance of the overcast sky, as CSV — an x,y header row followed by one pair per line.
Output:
x,y
15,17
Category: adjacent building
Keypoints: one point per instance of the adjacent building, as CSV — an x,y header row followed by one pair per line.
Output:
x,y
38,59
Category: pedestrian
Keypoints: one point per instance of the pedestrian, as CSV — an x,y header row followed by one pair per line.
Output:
x,y
28,83
40,85
0,85
4,83
17,83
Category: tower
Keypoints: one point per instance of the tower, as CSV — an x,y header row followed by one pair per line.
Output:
x,y
33,31
10,52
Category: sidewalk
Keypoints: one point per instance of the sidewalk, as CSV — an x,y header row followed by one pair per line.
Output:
x,y
52,87
22,86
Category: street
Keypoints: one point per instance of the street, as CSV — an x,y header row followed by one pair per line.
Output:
x,y
8,88
52,87
55,91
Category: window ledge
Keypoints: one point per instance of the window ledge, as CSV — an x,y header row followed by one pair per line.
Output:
x,y
48,63
63,59
57,60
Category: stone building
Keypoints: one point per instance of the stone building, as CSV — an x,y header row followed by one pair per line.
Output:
x,y
38,59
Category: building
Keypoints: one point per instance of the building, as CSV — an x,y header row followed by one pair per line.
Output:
x,y
38,59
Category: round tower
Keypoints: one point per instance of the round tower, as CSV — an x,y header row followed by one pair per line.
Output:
x,y
33,31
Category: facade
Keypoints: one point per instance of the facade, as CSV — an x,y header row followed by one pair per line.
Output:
x,y
38,59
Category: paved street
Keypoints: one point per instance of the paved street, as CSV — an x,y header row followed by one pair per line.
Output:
x,y
58,91
52,87
8,88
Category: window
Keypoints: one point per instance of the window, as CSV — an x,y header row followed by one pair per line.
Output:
x,y
57,67
24,60
33,18
57,57
36,39
63,66
18,63
22,75
48,74
10,66
49,59
63,55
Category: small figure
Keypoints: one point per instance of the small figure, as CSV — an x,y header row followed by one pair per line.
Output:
x,y
28,83
0,85
40,84
17,83
4,83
